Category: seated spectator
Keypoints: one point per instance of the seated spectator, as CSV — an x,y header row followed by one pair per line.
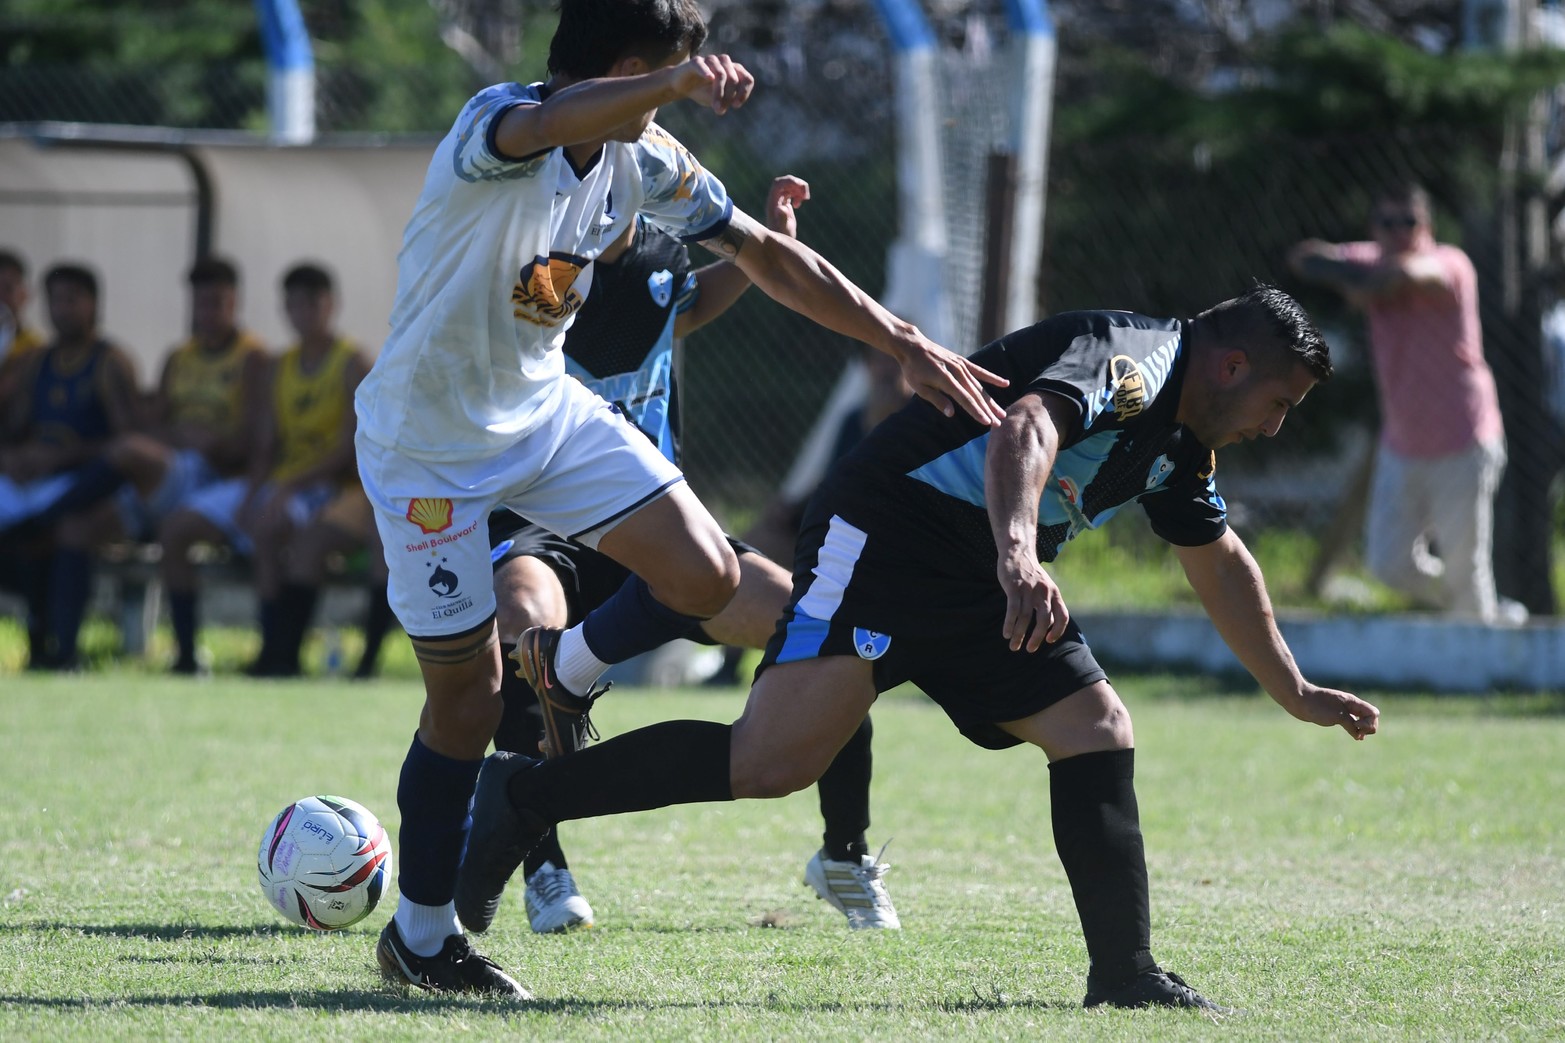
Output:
x,y
69,399
17,338
307,504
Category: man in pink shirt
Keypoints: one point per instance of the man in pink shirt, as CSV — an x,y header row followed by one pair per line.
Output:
x,y
1442,445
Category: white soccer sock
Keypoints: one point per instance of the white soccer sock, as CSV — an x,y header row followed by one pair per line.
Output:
x,y
425,928
575,666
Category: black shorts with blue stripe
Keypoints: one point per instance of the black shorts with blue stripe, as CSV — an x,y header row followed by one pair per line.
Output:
x,y
940,633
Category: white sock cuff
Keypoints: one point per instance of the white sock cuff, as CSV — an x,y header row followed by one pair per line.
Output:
x,y
425,928
575,666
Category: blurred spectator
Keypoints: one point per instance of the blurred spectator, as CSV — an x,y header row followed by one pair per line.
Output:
x,y
16,337
1429,531
308,449
69,399
205,415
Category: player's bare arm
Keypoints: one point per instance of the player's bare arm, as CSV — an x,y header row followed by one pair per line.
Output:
x,y
723,283
1016,466
1232,590
799,278
589,111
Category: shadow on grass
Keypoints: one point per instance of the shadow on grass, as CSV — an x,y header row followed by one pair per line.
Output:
x,y
162,932
390,1000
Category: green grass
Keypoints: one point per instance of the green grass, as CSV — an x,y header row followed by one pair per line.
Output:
x,y
1409,887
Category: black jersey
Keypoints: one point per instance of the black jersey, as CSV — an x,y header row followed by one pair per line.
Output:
x,y
917,480
622,342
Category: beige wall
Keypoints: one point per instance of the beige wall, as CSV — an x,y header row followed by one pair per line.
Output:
x,y
131,216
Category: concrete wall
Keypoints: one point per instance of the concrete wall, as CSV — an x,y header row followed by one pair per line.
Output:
x,y
131,211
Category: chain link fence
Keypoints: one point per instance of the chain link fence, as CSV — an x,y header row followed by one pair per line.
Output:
x,y
1145,225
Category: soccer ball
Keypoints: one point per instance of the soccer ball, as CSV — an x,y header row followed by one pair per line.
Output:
x,y
324,862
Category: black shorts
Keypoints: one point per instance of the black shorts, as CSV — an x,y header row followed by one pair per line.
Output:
x,y
588,577
942,633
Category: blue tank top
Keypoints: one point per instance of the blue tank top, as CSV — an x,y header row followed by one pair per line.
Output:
x,y
67,406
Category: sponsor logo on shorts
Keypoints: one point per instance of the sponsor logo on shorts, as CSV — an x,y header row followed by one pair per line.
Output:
x,y
870,644
430,514
446,585
436,541
1130,387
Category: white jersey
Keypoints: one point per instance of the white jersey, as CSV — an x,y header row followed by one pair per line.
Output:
x,y
495,262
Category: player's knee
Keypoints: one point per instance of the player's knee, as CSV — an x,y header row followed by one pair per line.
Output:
x,y
754,778
471,713
1114,727
707,590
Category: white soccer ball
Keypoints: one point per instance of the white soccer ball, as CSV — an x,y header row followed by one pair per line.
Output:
x,y
324,862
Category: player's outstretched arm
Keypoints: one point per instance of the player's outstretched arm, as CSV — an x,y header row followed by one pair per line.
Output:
x,y
723,283
799,278
593,109
1017,463
1229,583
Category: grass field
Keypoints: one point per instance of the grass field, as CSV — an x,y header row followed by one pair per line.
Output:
x,y
1410,887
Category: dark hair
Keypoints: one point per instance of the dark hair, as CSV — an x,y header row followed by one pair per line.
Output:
x,y
311,278
213,271
13,261
1404,193
76,275
594,34
1269,316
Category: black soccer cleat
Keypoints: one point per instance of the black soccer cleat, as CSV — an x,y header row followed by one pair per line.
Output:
x,y
1153,988
499,840
566,726
455,968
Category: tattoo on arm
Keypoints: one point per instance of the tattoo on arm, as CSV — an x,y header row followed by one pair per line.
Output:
x,y
727,243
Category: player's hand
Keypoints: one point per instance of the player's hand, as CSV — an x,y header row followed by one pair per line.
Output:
x,y
786,195
947,381
1328,707
1035,609
713,79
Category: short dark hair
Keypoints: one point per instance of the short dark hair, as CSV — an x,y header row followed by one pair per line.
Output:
x,y
594,34
1269,315
311,278
77,275
212,270
1404,193
12,260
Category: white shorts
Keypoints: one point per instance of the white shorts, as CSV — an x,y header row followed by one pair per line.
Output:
x,y
577,475
188,471
220,501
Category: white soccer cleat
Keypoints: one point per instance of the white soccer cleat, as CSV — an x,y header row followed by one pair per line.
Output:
x,y
854,889
553,903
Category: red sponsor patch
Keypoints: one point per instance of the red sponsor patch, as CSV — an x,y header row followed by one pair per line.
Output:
x,y
430,514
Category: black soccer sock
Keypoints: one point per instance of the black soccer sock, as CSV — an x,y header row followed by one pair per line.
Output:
x,y
1097,833
182,616
378,618
70,585
844,797
632,621
675,762
268,653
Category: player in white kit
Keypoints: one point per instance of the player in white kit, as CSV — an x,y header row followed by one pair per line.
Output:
x,y
468,406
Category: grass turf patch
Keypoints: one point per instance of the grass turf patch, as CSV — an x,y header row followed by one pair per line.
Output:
x,y
1408,887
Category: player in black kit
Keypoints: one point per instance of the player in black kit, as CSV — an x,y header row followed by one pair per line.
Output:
x,y
920,561
644,295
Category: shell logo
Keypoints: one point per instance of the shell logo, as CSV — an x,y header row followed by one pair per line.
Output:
x,y
430,514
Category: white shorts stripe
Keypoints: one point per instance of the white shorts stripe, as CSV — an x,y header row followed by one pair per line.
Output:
x,y
833,569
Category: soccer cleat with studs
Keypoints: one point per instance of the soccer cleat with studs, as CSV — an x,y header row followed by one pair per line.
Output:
x,y
499,840
566,726
455,968
554,905
1153,988
855,889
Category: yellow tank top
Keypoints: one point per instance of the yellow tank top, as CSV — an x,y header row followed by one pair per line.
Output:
x,y
309,408
204,389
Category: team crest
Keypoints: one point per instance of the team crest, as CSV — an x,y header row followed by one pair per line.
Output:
x,y
870,644
544,294
443,581
1162,467
430,514
661,286
1130,387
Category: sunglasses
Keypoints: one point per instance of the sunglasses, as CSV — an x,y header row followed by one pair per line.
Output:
x,y
1396,222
